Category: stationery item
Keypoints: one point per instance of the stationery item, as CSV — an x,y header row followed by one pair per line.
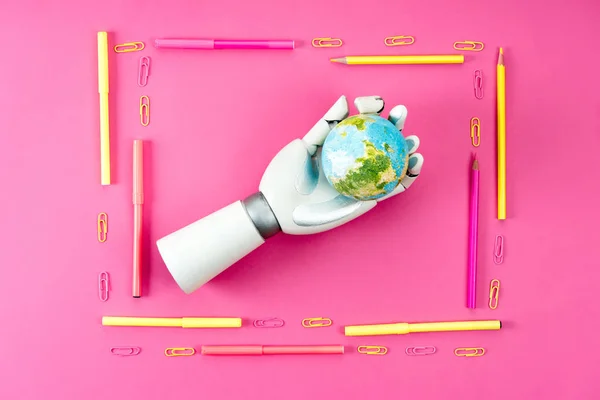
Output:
x,y
144,110
499,250
420,350
259,350
138,201
372,350
402,328
501,147
398,40
185,322
494,293
468,45
102,227
469,351
129,47
475,132
179,351
478,84
143,71
104,121
269,323
387,60
316,322
473,234
216,44
103,286
327,42
125,351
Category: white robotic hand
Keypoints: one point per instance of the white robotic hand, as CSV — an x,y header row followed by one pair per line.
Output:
x,y
294,197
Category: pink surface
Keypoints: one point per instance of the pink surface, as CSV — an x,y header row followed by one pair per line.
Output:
x,y
217,119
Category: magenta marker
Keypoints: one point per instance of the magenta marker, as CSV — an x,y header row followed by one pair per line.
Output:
x,y
215,44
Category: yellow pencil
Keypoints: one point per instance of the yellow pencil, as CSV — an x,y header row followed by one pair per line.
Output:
x,y
104,125
418,59
501,94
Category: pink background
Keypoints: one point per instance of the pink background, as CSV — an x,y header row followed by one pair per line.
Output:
x,y
219,117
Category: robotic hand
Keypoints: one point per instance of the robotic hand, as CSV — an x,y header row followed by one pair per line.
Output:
x,y
294,197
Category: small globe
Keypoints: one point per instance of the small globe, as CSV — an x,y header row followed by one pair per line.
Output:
x,y
364,157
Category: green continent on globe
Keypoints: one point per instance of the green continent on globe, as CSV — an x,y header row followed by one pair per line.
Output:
x,y
370,176
359,122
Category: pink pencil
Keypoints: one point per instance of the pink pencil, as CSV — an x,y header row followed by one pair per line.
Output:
x,y
259,350
216,44
473,223
138,201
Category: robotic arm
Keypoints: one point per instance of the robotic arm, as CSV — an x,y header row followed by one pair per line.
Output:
x,y
294,197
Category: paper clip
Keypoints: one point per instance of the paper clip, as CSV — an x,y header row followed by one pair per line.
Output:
x,y
478,84
468,45
269,323
316,322
499,250
143,71
129,47
398,40
103,285
475,132
102,227
469,351
372,350
179,351
125,351
420,350
494,293
145,110
327,42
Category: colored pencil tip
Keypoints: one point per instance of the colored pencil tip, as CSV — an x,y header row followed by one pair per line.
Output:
x,y
501,51
336,60
476,164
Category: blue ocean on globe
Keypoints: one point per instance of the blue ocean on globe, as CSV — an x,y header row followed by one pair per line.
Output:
x,y
365,157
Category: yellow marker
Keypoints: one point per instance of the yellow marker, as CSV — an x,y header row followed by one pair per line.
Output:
x,y
383,60
501,94
104,125
402,328
195,322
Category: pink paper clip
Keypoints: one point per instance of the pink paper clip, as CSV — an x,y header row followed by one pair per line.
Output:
x,y
144,71
269,323
125,351
499,250
478,84
103,286
420,350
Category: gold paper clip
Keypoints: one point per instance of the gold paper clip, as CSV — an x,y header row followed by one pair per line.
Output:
x,y
475,132
494,293
372,350
398,40
145,110
327,42
103,286
316,322
468,45
125,351
469,351
420,350
129,47
102,227
179,351
499,250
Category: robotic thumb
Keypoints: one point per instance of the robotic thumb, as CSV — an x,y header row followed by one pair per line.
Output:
x,y
200,251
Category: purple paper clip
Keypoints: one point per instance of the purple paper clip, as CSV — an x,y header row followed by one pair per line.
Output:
x,y
478,84
499,250
269,323
144,71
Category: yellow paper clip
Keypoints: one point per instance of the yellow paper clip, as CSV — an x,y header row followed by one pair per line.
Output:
x,y
316,322
372,350
129,47
327,42
398,40
102,227
475,132
494,293
145,110
179,351
468,45
469,351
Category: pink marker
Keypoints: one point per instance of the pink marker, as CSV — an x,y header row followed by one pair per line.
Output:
x,y
215,44
138,201
259,350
